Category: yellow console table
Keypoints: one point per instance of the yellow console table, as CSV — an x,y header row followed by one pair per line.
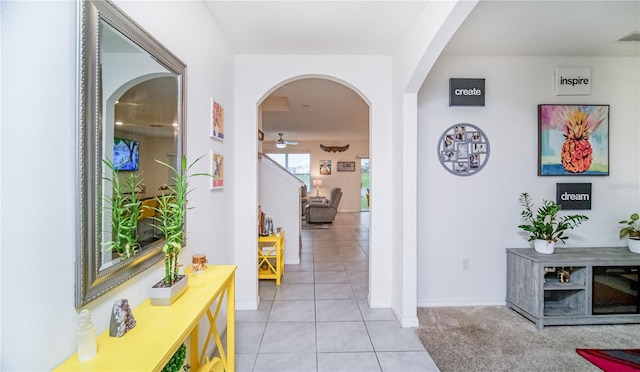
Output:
x,y
271,257
160,330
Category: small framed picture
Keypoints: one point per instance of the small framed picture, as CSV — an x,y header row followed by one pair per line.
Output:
x,y
216,118
260,135
478,148
346,166
459,133
462,166
448,156
463,150
325,167
217,170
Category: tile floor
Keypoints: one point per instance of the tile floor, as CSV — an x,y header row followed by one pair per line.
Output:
x,y
318,319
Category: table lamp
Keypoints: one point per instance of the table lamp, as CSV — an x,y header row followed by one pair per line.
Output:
x,y
317,183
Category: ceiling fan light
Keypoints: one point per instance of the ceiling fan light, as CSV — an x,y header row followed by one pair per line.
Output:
x,y
281,145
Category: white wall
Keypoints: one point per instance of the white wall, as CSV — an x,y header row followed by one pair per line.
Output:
x,y
348,181
476,217
38,168
280,200
412,60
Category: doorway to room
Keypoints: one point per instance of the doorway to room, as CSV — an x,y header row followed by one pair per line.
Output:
x,y
312,111
365,185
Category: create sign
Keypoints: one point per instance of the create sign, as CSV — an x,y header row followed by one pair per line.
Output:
x,y
466,92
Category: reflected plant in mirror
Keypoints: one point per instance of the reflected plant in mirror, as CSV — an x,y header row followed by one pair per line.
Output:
x,y
125,208
130,113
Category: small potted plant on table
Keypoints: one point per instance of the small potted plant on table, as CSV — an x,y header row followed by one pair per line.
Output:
x,y
171,213
545,228
631,231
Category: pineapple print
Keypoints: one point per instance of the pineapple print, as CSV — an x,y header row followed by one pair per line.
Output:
x,y
576,152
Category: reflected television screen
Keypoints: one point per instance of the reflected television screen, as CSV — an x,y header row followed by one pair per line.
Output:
x,y
125,154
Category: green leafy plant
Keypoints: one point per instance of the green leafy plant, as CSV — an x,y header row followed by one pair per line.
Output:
x,y
177,360
125,209
632,228
171,212
546,224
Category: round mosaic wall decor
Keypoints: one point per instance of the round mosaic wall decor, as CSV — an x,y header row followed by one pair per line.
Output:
x,y
463,149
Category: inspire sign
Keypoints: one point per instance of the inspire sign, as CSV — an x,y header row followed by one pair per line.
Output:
x,y
572,81
466,92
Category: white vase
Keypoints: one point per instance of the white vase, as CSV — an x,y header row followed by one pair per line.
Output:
x,y
544,246
165,296
634,245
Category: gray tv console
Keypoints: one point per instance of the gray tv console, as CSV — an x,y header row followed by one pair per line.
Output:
x,y
546,301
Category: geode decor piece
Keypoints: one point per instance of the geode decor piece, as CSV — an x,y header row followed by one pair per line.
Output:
x,y
122,320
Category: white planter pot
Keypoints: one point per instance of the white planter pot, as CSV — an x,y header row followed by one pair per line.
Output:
x,y
165,296
544,246
634,245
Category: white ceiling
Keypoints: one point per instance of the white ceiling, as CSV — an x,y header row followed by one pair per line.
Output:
x,y
314,27
494,28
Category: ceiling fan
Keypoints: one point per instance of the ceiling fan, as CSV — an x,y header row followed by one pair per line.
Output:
x,y
282,143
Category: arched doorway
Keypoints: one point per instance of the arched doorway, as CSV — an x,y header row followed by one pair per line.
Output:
x,y
312,112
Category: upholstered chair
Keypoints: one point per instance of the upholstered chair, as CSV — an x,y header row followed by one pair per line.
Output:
x,y
326,211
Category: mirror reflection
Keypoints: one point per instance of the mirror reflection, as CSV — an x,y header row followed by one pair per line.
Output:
x,y
132,117
140,125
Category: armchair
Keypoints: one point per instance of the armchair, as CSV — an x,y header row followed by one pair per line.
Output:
x,y
324,211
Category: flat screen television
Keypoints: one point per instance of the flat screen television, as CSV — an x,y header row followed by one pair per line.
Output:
x,y
125,154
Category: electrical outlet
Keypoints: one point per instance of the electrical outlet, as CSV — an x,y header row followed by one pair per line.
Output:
x,y
465,264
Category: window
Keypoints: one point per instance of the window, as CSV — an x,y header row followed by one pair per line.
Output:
x,y
297,164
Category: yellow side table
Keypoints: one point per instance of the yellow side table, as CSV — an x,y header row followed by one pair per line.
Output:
x,y
271,257
160,330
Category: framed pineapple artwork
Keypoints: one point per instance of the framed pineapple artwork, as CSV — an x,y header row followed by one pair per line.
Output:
x,y
463,149
573,140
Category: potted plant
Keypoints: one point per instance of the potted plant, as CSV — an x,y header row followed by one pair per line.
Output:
x,y
171,212
125,209
631,231
545,228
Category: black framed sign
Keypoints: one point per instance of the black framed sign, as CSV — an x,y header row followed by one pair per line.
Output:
x,y
466,92
572,196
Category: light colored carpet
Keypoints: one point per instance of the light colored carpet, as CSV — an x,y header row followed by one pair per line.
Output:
x,y
494,338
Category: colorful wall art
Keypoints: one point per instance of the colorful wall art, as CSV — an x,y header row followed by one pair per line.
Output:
x,y
217,170
573,140
216,117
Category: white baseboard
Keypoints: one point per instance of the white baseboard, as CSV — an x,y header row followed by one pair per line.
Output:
x,y
405,322
378,304
461,303
350,211
246,305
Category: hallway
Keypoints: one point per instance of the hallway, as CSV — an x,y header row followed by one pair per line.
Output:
x,y
318,319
